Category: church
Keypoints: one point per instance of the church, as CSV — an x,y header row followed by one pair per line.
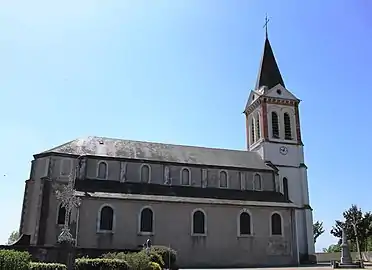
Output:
x,y
215,207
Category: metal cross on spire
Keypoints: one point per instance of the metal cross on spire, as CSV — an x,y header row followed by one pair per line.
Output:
x,y
265,25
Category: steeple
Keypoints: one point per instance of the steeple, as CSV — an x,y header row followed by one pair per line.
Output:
x,y
268,74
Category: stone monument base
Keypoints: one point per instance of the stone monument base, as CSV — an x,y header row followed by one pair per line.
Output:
x,y
350,265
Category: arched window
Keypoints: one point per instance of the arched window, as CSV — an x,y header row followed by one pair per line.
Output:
x,y
198,222
145,173
285,188
257,182
275,125
146,221
61,215
287,127
106,221
252,131
66,167
258,131
102,170
223,179
245,224
185,174
276,224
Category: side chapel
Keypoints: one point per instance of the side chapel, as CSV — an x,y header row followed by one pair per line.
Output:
x,y
215,207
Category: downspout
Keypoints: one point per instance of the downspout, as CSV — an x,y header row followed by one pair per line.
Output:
x,y
77,227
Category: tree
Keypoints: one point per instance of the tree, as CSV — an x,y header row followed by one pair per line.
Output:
x,y
317,230
13,237
357,226
332,248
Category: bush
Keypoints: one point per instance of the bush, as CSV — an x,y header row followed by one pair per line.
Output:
x,y
47,266
156,258
154,266
101,264
168,255
14,260
135,260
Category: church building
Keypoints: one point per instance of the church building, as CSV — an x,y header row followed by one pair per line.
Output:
x,y
215,207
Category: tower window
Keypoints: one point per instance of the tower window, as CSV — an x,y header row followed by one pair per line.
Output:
x,y
285,188
258,132
275,125
287,127
252,131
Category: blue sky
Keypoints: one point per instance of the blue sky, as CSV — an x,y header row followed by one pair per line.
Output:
x,y
180,72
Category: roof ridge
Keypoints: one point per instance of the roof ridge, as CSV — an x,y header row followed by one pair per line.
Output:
x,y
172,144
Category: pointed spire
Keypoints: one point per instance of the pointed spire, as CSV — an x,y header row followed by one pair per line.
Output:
x,y
268,74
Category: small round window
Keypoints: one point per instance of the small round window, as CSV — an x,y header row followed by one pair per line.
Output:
x,y
279,91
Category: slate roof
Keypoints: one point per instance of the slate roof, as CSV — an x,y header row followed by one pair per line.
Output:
x,y
94,185
118,148
268,74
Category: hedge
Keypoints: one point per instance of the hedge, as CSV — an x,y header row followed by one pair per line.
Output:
x,y
14,260
47,266
168,255
101,264
135,260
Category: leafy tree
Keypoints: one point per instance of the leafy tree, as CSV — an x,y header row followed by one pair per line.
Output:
x,y
317,230
13,237
357,226
332,248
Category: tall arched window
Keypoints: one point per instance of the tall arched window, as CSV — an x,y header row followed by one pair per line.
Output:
x,y
106,220
61,215
252,131
102,170
185,175
245,224
258,131
276,224
145,173
257,182
275,125
285,188
198,222
146,220
287,127
223,179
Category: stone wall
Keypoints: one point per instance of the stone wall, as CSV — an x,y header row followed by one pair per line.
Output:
x,y
335,256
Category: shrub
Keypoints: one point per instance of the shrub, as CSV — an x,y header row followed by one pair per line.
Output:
x,y
101,264
168,255
156,258
154,266
14,260
47,266
135,260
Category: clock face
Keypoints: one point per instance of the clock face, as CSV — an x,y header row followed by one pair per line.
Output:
x,y
283,150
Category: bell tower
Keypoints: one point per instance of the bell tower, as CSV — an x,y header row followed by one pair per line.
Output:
x,y
273,130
